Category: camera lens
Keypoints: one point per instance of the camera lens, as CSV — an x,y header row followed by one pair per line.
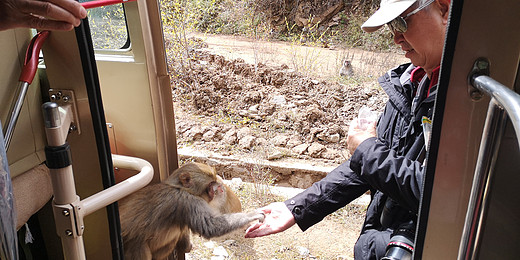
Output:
x,y
399,248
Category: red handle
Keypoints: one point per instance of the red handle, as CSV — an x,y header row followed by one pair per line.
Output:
x,y
98,3
31,57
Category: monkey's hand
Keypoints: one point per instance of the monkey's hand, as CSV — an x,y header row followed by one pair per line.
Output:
x,y
278,218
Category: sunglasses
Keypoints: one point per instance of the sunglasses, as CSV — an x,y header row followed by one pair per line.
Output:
x,y
399,23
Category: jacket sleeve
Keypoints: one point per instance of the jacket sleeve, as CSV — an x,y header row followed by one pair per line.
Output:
x,y
396,176
336,190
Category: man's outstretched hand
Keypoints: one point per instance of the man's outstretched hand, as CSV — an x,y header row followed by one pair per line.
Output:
x,y
277,219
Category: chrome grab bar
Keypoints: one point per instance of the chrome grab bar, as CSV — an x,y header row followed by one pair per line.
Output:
x,y
27,75
504,103
506,98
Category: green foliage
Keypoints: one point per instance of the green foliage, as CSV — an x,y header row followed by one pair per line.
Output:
x,y
351,35
108,27
252,18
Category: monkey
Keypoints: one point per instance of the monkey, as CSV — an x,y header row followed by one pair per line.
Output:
x,y
156,221
346,69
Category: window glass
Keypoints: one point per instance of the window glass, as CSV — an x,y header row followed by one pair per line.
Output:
x,y
108,27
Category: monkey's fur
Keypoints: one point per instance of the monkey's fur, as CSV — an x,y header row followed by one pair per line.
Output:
x,y
156,221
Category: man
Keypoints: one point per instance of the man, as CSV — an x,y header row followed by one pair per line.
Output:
x,y
389,164
41,14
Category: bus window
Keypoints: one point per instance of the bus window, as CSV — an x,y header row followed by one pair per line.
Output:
x,y
108,27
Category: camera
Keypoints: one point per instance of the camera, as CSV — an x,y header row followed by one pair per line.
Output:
x,y
401,244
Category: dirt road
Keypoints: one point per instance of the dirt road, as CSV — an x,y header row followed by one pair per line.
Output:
x,y
320,62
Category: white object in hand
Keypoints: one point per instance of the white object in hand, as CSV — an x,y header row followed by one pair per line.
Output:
x,y
366,117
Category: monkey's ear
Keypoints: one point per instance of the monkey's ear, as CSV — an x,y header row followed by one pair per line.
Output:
x,y
185,179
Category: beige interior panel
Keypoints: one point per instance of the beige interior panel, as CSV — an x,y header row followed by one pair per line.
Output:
x,y
128,107
26,149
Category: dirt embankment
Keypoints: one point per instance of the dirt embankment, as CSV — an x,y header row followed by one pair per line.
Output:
x,y
233,104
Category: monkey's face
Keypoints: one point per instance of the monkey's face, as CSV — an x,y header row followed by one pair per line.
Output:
x,y
224,200
214,189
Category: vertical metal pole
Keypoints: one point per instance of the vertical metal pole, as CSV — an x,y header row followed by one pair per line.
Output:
x,y
57,121
490,142
14,112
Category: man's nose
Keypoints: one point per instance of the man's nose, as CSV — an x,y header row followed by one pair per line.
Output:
x,y
398,37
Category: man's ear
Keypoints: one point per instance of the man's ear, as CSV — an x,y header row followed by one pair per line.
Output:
x,y
444,7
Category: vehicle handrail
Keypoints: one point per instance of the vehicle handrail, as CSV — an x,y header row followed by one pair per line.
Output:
x,y
122,189
26,77
69,211
504,96
504,103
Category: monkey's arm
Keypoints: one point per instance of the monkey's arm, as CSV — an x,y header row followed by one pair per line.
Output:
x,y
204,221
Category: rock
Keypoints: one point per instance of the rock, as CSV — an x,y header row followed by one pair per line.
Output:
x,y
260,141
301,181
331,154
278,100
345,153
209,135
254,108
274,154
243,132
293,141
314,113
230,242
230,137
182,127
322,136
316,130
220,251
304,252
334,138
300,149
247,142
209,244
280,140
316,149
195,133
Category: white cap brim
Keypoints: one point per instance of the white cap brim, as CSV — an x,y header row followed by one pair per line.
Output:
x,y
388,11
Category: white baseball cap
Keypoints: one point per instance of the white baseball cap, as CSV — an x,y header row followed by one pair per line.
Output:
x,y
388,10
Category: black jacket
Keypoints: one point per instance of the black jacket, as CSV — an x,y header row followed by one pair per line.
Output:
x,y
390,166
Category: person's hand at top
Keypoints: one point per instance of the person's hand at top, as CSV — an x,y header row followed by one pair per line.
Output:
x,y
358,134
41,14
277,219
